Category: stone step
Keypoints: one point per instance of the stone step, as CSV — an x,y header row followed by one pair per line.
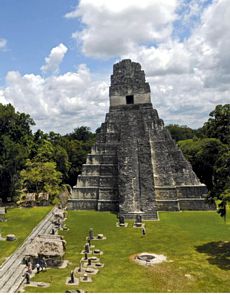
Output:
x,y
85,181
101,159
99,169
145,216
18,280
15,278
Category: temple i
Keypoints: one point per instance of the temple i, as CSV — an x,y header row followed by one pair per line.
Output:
x,y
135,167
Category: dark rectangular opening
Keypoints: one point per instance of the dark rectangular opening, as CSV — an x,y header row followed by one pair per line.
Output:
x,y
129,99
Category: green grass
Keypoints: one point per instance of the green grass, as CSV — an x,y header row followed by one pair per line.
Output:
x,y
198,258
20,221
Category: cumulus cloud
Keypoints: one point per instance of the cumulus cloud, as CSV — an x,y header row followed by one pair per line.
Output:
x,y
59,103
3,43
182,46
190,77
189,72
115,27
54,59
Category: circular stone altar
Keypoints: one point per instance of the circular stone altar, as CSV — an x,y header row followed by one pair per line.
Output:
x,y
149,258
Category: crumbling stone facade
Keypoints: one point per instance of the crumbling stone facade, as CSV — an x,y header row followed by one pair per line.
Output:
x,y
135,167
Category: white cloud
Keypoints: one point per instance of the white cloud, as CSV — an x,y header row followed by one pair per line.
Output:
x,y
188,76
58,103
116,27
187,66
3,43
54,59
166,59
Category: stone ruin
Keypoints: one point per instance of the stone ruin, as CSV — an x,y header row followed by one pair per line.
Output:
x,y
49,247
135,167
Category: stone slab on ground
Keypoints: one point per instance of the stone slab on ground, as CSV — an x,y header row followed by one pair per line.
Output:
x,y
139,226
91,271
38,284
64,264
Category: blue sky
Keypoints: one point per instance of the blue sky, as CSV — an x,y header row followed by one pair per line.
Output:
x,y
56,57
32,28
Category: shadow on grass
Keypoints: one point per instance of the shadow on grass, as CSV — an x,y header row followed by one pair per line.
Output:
x,y
219,253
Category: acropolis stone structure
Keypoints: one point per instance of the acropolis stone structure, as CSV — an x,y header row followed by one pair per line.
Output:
x,y
135,167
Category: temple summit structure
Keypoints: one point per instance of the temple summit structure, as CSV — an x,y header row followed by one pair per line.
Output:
x,y
135,167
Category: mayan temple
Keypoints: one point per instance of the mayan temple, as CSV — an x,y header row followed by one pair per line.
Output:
x,y
135,166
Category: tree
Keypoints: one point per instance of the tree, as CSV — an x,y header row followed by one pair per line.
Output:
x,y
15,142
221,176
40,173
181,132
77,153
218,126
62,161
40,177
222,206
82,133
77,145
203,154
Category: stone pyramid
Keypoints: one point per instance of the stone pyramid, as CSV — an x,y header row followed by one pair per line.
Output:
x,y
135,167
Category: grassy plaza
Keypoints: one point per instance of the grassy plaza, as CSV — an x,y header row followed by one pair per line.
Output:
x,y
196,245
20,221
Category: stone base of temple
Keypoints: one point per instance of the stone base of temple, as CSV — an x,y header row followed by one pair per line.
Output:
x,y
82,204
196,204
184,205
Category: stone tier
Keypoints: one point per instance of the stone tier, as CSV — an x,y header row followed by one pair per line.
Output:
x,y
99,169
97,159
101,148
85,181
180,192
184,205
91,204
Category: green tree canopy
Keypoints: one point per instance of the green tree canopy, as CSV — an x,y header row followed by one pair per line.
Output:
x,y
40,173
221,178
15,142
203,154
218,126
181,132
82,133
41,177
